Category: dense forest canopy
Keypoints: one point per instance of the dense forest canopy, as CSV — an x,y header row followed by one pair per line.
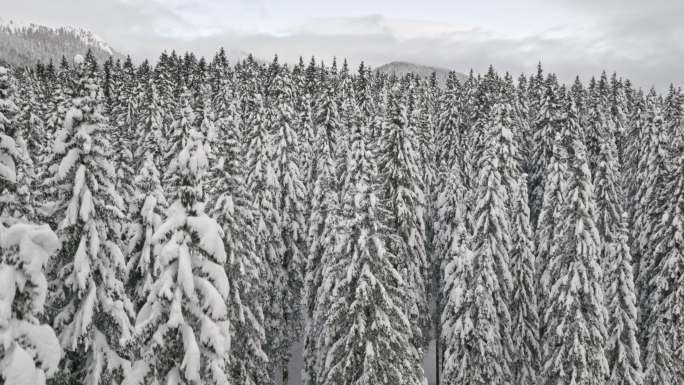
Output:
x,y
201,218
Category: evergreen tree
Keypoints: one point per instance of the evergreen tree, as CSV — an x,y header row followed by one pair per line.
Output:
x,y
234,211
476,322
14,159
149,205
93,310
264,190
403,192
29,350
622,350
183,326
367,335
573,348
524,311
291,206
662,275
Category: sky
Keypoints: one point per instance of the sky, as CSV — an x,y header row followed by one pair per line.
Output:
x,y
641,40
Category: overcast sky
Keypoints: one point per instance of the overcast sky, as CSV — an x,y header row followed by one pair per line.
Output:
x,y
642,40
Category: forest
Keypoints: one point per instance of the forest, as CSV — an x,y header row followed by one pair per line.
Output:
x,y
189,221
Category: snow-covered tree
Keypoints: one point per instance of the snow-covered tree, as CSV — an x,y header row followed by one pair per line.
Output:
x,y
15,163
291,204
322,223
523,305
476,321
183,326
404,193
234,211
264,189
366,333
622,349
29,350
145,219
574,323
92,309
663,290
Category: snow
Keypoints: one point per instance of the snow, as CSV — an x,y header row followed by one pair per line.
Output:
x,y
79,59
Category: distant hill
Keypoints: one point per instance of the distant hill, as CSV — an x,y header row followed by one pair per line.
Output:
x,y
22,45
403,68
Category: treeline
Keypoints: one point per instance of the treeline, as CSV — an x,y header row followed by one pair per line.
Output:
x,y
213,215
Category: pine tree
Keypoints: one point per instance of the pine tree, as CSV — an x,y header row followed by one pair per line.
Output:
x,y
367,335
573,348
29,350
403,192
183,326
93,310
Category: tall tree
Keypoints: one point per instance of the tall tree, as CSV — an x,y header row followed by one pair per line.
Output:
x,y
366,331
183,326
93,310
404,193
573,349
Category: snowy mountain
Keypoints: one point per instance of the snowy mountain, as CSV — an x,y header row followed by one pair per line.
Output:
x,y
26,44
402,68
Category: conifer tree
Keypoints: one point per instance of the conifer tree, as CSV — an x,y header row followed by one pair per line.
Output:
x,y
367,335
662,277
322,224
264,190
93,310
573,348
622,349
145,219
476,322
15,162
291,206
183,326
234,211
29,350
403,191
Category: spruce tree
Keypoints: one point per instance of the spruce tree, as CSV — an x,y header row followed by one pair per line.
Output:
x,y
476,321
29,350
234,211
183,326
622,349
291,206
524,310
573,348
662,277
366,333
92,308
